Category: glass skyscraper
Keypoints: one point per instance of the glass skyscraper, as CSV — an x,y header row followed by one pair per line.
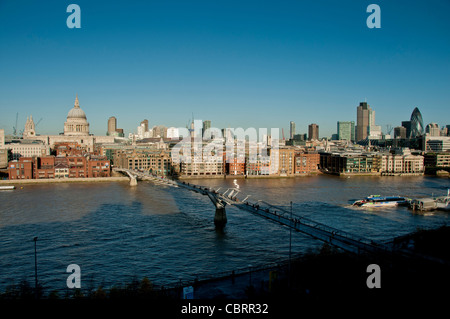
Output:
x,y
346,130
417,128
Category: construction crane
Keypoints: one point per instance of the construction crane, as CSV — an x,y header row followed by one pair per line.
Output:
x,y
388,129
15,126
38,123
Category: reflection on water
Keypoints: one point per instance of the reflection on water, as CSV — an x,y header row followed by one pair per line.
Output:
x,y
116,232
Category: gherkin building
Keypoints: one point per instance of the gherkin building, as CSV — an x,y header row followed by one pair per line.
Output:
x,y
417,128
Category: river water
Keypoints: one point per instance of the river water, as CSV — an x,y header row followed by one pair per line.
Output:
x,y
117,233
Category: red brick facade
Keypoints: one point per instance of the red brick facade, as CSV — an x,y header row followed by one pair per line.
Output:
x,y
59,167
306,163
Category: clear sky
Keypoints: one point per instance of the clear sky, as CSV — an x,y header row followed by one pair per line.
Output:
x,y
236,63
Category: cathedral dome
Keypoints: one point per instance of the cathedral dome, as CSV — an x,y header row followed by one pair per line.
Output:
x,y
76,123
76,112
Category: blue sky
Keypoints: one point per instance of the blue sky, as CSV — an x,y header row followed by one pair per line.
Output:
x,y
236,63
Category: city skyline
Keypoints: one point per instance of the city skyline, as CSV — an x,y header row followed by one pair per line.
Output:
x,y
237,65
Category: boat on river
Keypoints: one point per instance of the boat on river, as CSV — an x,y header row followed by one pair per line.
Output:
x,y
381,201
7,187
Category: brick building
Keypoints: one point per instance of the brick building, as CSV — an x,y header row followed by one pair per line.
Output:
x,y
59,167
44,167
286,161
306,163
21,169
99,167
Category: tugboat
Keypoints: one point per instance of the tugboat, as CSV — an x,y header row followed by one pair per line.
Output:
x,y
381,201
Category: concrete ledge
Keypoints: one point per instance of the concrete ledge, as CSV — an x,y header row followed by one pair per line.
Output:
x,y
64,180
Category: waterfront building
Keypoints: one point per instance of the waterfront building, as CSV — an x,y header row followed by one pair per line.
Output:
x,y
98,166
349,163
44,167
417,127
346,130
286,161
313,132
59,167
155,161
21,169
440,160
258,164
209,168
365,117
306,162
397,162
235,166
77,166
401,162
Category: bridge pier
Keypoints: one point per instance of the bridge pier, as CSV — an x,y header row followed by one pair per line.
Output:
x,y
133,181
220,218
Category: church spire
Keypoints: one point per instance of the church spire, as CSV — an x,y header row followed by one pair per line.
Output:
x,y
77,104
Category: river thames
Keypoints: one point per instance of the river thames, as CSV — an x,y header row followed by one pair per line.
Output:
x,y
117,233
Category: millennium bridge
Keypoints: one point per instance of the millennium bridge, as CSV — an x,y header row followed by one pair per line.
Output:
x,y
332,236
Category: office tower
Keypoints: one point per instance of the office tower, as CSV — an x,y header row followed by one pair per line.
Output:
x,y
417,128
365,117
374,132
400,132
407,126
313,132
112,126
291,130
144,123
206,125
433,129
448,130
346,130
